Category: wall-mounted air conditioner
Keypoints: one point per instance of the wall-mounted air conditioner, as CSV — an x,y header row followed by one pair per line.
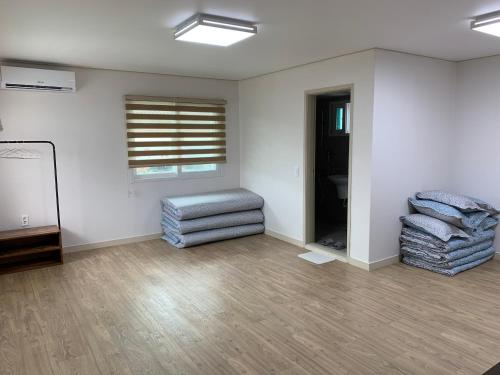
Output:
x,y
18,78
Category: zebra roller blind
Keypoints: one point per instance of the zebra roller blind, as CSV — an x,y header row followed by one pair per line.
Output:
x,y
172,131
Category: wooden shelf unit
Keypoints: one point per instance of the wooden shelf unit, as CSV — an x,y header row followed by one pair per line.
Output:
x,y
24,249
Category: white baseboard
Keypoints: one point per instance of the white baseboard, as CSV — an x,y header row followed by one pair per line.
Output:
x,y
358,263
117,242
383,262
354,262
372,266
282,237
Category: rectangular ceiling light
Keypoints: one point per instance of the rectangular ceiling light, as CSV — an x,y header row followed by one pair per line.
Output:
x,y
487,23
218,31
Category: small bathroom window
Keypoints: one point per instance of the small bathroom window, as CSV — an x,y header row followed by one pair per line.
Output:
x,y
337,116
339,119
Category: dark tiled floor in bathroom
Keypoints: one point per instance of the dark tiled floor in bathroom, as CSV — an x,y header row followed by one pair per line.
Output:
x,y
331,233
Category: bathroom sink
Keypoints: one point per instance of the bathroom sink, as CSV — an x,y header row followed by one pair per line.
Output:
x,y
341,182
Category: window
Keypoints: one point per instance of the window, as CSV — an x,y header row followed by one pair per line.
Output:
x,y
175,137
180,171
339,119
199,168
155,171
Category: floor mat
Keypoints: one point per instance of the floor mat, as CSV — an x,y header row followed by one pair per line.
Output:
x,y
317,258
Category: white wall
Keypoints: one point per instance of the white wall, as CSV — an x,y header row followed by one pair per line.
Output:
x,y
403,125
415,120
272,113
413,130
88,128
476,152
26,189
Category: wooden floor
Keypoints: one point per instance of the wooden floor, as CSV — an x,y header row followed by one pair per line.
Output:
x,y
246,306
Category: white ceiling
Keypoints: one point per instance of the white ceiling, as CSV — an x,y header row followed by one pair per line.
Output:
x,y
136,35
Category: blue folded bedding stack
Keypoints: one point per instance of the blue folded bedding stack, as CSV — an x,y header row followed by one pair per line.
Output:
x,y
192,220
449,233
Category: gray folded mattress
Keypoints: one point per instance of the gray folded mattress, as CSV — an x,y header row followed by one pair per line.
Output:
x,y
456,262
212,235
446,271
429,255
214,203
233,219
418,239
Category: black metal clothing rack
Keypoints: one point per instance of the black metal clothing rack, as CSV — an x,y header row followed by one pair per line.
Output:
x,y
55,169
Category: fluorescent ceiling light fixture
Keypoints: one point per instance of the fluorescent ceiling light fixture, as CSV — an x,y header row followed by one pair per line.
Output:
x,y
487,23
215,30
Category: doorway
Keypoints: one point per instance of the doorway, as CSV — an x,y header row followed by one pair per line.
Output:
x,y
327,171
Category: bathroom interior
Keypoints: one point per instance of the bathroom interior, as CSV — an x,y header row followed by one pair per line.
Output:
x,y
333,127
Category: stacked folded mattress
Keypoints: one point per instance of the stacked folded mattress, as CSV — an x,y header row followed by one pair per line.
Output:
x,y
449,233
197,219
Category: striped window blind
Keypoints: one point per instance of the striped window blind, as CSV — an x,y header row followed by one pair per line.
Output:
x,y
175,131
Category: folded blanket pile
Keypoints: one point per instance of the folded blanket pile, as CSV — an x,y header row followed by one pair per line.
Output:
x,y
216,216
449,233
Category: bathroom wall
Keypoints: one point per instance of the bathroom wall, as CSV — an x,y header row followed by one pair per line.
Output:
x,y
331,158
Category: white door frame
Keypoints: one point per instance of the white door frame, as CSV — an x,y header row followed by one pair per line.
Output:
x,y
309,162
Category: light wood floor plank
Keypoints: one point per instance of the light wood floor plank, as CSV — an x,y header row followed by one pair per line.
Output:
x,y
245,306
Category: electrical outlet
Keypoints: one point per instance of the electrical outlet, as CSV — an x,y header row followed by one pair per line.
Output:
x,y
25,220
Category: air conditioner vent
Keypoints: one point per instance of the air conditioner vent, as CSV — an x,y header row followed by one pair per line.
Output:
x,y
36,87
